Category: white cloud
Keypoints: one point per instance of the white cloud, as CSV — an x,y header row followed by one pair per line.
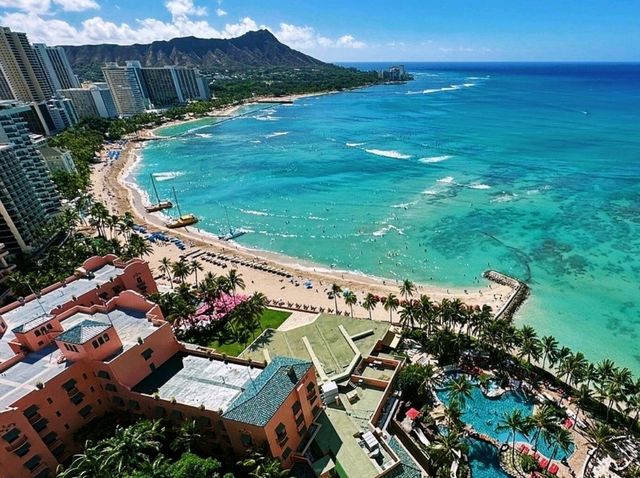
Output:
x,y
38,19
76,5
181,9
43,6
32,6
306,38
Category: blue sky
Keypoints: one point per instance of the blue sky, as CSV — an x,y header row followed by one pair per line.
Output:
x,y
355,30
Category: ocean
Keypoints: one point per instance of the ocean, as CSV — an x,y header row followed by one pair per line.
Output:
x,y
529,169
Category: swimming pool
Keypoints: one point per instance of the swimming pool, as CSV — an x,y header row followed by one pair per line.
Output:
x,y
484,415
484,460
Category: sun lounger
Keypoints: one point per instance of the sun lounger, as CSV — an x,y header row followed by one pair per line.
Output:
x,y
553,469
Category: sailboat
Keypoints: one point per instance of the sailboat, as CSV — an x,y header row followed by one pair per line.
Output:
x,y
231,234
183,219
159,205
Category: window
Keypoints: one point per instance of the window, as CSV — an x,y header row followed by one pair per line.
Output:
x,y
92,389
69,384
95,344
77,398
302,431
110,387
23,449
58,414
296,407
49,438
30,411
49,326
12,435
118,401
44,474
40,424
84,375
299,420
286,453
59,451
49,401
33,462
85,411
133,405
66,426
152,367
38,334
100,340
177,414
106,337
246,440
40,343
310,387
147,354
103,374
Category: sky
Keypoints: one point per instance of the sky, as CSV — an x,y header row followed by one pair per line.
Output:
x,y
354,30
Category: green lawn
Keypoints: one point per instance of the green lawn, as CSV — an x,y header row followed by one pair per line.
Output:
x,y
271,319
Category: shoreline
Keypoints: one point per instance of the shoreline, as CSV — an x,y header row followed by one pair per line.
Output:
x,y
112,184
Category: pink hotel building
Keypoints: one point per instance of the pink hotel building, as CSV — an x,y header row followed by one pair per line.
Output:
x,y
94,344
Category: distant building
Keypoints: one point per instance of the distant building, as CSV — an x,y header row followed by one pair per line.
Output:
x,y
57,159
5,267
395,73
92,100
136,88
93,344
28,197
23,75
56,66
124,82
55,115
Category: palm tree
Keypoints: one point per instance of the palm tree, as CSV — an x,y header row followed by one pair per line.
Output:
x,y
409,314
447,448
165,268
453,414
186,437
529,343
196,266
181,270
350,299
369,303
138,247
99,215
260,466
88,464
543,419
559,439
600,437
583,397
459,390
427,312
407,288
549,349
515,423
391,303
336,290
129,448
235,281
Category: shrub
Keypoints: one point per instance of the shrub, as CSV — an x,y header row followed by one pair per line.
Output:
x,y
528,463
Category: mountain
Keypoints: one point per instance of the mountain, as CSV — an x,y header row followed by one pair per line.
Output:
x,y
253,49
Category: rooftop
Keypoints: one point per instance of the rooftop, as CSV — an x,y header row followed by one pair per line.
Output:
x,y
83,332
21,378
194,380
259,402
34,309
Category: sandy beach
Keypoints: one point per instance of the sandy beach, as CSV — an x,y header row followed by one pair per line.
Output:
x,y
112,185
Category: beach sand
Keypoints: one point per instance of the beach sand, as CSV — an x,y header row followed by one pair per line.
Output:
x,y
112,186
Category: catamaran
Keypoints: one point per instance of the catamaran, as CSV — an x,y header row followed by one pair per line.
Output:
x,y
159,205
183,219
232,234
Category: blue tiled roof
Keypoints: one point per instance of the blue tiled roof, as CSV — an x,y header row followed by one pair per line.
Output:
x,y
264,395
407,469
83,332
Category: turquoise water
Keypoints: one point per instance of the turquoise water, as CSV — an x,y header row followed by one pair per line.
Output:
x,y
484,415
484,460
533,170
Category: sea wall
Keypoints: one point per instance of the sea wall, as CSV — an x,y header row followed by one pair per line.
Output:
x,y
519,293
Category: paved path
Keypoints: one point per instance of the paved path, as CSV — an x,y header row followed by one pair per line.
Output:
x,y
298,319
